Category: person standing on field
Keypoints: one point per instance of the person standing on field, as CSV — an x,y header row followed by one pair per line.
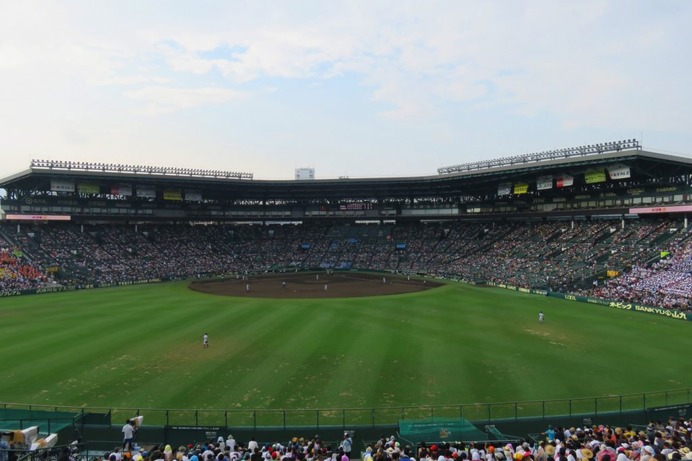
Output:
x,y
205,341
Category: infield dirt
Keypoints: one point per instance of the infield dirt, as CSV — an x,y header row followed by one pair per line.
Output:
x,y
314,285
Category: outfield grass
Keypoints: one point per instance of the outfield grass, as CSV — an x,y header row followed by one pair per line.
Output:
x,y
141,347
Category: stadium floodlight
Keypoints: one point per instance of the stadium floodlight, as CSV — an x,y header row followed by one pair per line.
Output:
x,y
588,149
129,169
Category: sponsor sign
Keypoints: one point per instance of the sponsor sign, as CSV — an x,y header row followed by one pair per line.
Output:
x,y
613,304
619,172
88,188
37,217
146,191
565,180
173,195
521,188
504,188
544,182
594,176
662,209
122,189
60,185
193,196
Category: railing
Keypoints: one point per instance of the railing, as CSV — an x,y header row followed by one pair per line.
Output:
x,y
346,417
77,452
47,424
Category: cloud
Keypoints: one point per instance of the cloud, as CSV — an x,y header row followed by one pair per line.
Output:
x,y
161,99
376,75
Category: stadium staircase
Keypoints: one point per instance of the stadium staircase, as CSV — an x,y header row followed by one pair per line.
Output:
x,y
10,242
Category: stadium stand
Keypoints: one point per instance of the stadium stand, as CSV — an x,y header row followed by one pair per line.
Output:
x,y
658,441
16,272
592,220
557,256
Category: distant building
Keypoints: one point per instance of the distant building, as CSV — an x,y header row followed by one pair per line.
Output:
x,y
305,173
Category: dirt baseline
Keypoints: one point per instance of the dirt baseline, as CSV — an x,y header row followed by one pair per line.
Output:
x,y
314,285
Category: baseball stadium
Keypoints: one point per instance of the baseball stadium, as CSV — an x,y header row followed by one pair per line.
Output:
x,y
482,305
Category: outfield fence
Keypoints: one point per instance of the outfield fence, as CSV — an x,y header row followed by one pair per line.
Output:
x,y
350,417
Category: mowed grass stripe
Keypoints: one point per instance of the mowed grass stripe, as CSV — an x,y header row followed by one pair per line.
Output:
x,y
190,374
140,346
56,343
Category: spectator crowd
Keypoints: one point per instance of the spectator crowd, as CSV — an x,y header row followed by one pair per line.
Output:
x,y
669,441
566,256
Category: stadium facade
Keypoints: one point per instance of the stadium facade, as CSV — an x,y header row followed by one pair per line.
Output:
x,y
568,221
604,179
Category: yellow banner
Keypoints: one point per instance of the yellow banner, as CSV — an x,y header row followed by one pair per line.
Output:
x,y
175,195
594,176
612,273
521,188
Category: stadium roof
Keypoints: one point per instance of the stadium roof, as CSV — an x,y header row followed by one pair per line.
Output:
x,y
643,166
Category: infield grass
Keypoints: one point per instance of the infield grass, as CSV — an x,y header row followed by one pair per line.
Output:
x,y
141,347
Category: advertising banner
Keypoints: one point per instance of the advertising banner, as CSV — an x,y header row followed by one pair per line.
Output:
x,y
88,188
146,191
662,209
594,176
193,196
544,182
504,189
122,189
61,185
173,195
521,188
565,180
37,217
619,172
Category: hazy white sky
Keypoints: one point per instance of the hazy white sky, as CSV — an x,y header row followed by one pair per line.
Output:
x,y
356,88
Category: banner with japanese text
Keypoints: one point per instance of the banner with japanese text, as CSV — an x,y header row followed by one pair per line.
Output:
x,y
594,176
619,172
521,188
565,180
504,188
146,191
61,185
124,190
173,195
88,188
544,182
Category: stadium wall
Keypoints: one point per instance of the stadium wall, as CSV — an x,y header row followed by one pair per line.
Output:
x,y
105,437
670,313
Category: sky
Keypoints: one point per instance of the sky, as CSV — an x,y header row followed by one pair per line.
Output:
x,y
350,88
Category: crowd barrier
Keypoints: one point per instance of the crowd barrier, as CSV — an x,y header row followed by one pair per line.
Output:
x,y
347,417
